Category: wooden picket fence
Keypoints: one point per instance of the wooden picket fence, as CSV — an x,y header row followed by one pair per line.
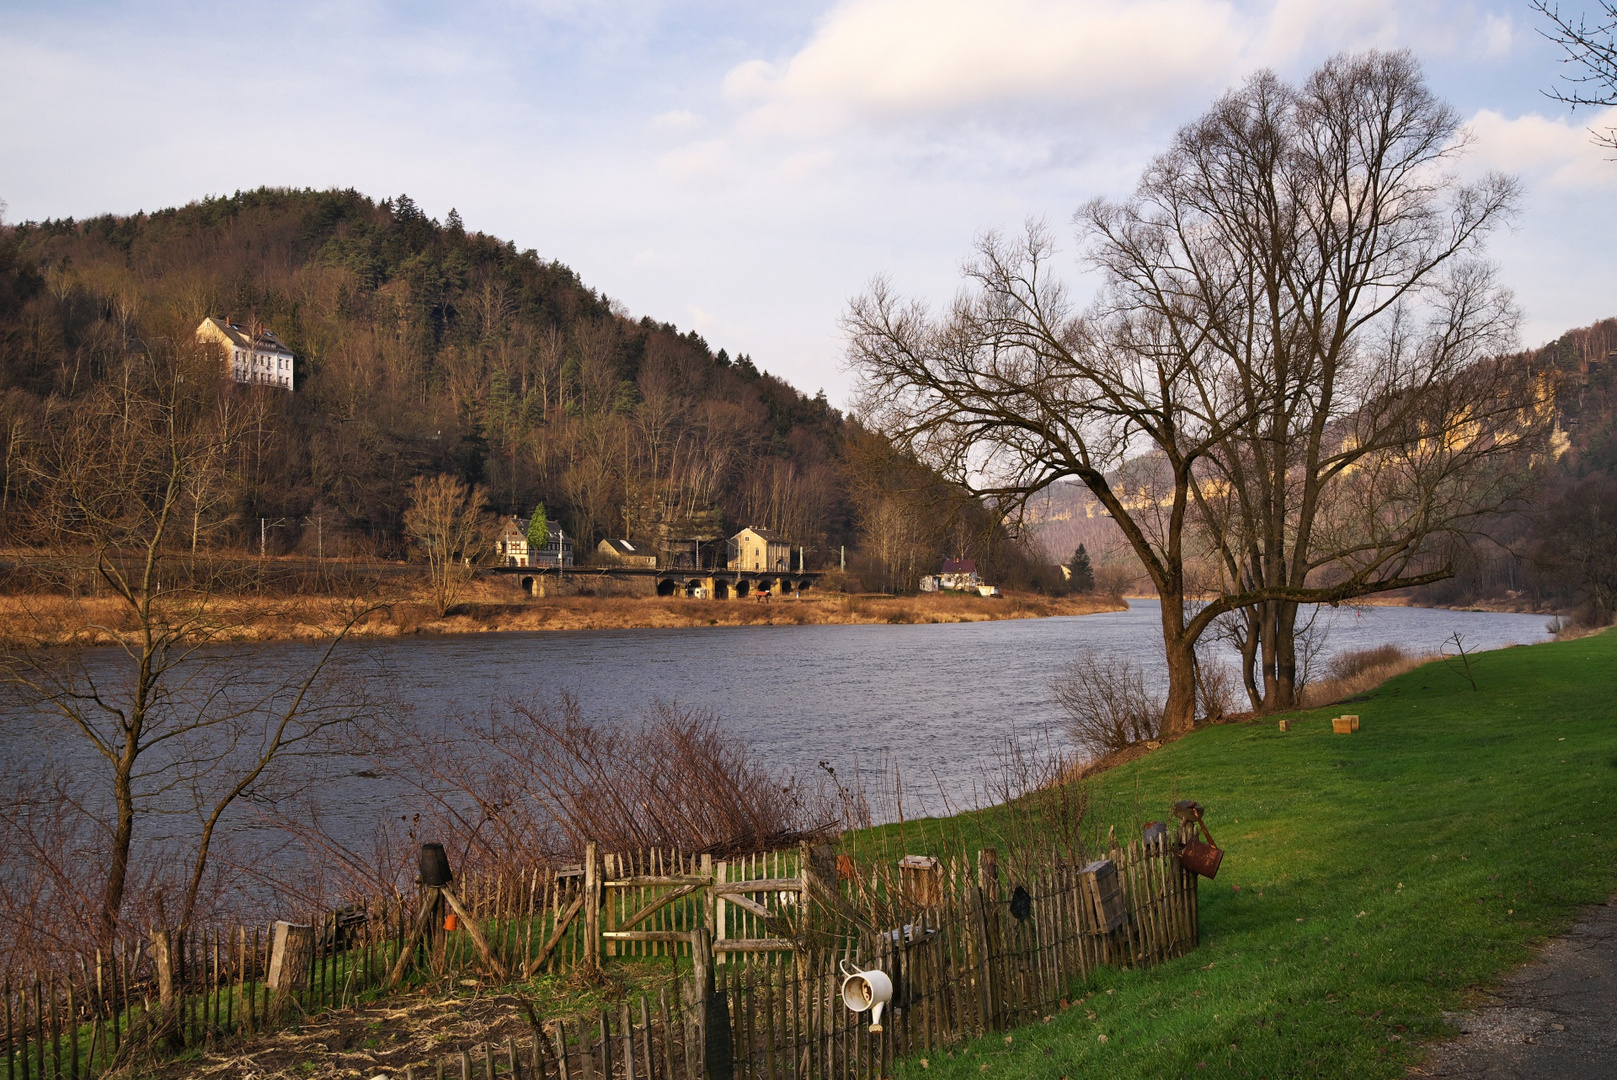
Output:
x,y
971,949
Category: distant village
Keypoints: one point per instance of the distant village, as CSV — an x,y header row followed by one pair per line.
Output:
x,y
755,562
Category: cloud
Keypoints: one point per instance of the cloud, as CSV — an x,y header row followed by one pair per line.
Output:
x,y
697,160
901,60
1498,35
677,121
1550,153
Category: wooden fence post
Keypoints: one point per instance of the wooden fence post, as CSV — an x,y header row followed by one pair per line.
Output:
x,y
592,906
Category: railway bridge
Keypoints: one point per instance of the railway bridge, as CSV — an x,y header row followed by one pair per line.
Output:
x,y
706,582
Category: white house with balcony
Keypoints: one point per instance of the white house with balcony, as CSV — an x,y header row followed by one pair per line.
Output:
x,y
252,353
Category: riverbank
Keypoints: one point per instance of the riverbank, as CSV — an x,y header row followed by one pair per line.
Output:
x,y
44,621
1374,884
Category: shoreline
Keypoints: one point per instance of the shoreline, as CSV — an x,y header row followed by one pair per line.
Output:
x,y
35,621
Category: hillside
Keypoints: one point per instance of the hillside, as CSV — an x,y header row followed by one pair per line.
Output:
x,y
424,348
1548,553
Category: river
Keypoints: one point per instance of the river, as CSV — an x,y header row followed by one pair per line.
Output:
x,y
939,701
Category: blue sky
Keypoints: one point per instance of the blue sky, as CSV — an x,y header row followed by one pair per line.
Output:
x,y
745,168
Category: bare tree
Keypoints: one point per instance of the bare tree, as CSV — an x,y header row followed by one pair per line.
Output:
x,y
175,723
1292,329
451,522
1327,256
1591,55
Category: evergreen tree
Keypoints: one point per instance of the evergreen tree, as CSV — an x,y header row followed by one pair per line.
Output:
x,y
538,531
1083,574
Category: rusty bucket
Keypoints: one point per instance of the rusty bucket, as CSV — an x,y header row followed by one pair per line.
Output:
x,y
1201,857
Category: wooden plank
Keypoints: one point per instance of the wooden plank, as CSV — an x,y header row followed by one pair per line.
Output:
x,y
785,884
646,935
737,945
659,879
746,903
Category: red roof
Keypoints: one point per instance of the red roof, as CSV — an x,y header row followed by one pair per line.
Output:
x,y
959,566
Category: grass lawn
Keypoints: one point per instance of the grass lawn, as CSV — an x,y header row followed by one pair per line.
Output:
x,y
1370,882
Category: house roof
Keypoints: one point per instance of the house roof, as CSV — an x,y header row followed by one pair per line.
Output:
x,y
626,547
768,535
263,340
959,566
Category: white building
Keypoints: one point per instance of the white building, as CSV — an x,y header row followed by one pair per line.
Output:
x,y
512,545
254,354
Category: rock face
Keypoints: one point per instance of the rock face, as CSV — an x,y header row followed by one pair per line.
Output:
x,y
1555,1019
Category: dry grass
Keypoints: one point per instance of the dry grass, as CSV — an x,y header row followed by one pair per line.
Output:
x,y
1359,672
44,620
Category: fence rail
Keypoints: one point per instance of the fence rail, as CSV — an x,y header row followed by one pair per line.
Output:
x,y
969,951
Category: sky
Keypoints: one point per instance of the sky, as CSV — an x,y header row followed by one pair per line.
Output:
x,y
745,168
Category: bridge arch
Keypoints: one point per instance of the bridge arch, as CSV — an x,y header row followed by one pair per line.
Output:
x,y
743,587
721,589
692,586
666,587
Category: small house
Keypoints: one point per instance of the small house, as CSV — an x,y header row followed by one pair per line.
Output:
x,y
760,549
557,552
252,353
626,553
512,544
959,574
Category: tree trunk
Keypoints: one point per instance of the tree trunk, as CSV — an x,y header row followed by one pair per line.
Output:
x,y
1179,711
1284,695
112,894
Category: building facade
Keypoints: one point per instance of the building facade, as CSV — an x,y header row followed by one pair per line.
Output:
x,y
252,354
760,549
512,545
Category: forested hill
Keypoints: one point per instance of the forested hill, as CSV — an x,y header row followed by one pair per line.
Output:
x,y
421,347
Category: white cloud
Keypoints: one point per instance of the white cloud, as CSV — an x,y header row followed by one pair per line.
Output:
x,y
1498,35
1549,153
898,60
697,160
676,121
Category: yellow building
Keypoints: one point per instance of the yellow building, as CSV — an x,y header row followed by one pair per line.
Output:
x,y
760,549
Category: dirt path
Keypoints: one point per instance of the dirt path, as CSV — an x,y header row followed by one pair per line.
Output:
x,y
1555,1019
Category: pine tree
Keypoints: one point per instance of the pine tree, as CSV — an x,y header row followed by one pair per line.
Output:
x,y
1083,574
538,531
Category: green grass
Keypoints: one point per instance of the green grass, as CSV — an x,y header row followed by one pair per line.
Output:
x,y
1371,880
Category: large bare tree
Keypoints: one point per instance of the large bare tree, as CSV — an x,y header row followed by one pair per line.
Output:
x,y
450,521
1286,371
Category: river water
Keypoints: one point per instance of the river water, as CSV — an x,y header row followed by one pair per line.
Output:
x,y
938,701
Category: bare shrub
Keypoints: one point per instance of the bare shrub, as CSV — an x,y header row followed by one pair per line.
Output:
x,y
1215,689
535,782
1107,705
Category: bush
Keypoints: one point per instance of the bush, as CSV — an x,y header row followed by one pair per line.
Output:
x,y
1107,705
